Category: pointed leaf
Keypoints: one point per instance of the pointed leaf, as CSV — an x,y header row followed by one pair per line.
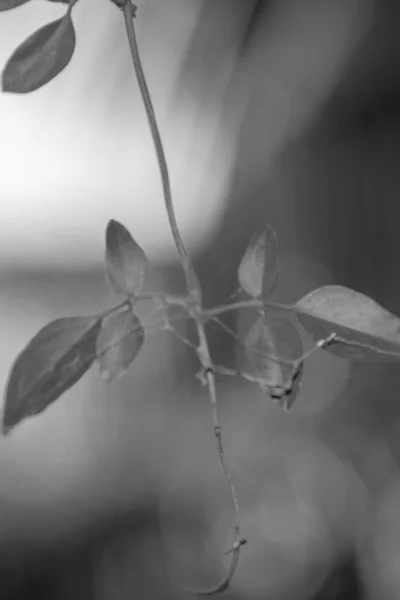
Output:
x,y
273,349
119,343
8,4
126,263
51,363
41,57
259,270
372,333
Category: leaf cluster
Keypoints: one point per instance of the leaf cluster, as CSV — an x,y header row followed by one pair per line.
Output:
x,y
339,320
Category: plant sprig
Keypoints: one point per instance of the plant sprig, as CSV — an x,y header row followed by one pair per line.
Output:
x,y
338,319
195,308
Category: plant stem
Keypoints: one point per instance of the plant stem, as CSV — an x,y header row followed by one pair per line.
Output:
x,y
193,302
205,359
209,313
169,299
129,11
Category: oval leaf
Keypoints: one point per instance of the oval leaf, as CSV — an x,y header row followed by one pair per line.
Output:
x,y
8,4
273,349
41,57
51,363
369,332
126,263
259,270
119,343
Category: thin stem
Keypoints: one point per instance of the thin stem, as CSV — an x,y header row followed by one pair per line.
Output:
x,y
129,11
254,351
255,303
169,299
323,343
115,308
228,330
212,313
193,302
209,377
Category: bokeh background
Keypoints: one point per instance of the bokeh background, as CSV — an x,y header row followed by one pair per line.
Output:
x,y
284,111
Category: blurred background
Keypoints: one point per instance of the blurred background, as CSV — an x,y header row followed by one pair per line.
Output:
x,y
285,111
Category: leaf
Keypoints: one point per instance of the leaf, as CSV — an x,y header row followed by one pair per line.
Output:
x,y
259,269
41,57
126,263
369,332
8,4
119,343
273,349
51,363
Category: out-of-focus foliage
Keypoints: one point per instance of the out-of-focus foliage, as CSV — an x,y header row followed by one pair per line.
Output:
x,y
273,347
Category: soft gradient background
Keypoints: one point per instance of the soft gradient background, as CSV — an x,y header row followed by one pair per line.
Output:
x,y
282,111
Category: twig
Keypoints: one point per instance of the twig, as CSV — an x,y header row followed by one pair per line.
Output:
x,y
193,302
205,359
170,299
255,351
255,303
212,313
171,329
129,11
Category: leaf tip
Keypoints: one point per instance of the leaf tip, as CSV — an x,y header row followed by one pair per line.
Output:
x,y
114,226
5,87
7,425
6,429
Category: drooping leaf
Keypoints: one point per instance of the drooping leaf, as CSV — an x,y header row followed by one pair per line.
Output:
x,y
259,269
126,263
273,349
41,57
51,363
371,332
119,343
8,4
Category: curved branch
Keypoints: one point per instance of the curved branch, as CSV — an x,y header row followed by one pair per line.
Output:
x,y
224,584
